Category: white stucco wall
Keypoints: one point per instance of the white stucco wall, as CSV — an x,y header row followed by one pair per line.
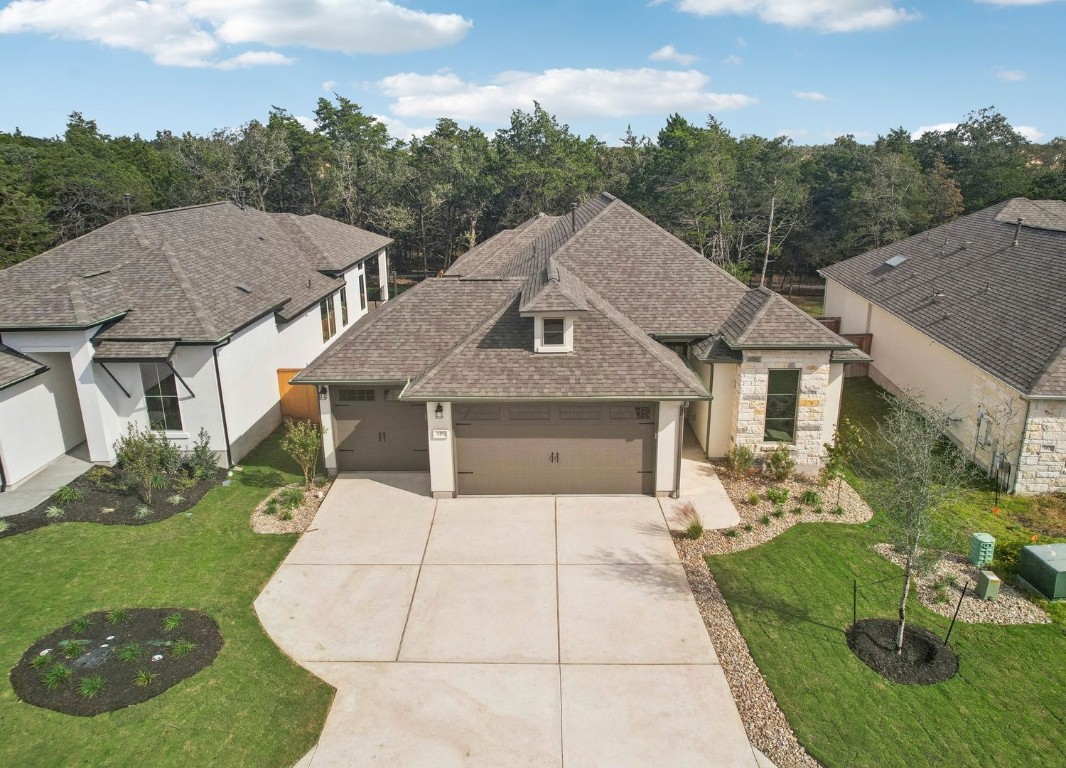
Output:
x,y
441,451
834,393
723,408
699,411
667,455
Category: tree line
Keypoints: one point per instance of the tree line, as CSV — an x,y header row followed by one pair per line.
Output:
x,y
739,201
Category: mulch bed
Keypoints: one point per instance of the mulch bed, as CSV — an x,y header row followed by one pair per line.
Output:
x,y
100,642
109,504
925,659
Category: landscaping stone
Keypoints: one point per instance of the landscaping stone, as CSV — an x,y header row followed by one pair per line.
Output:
x,y
301,517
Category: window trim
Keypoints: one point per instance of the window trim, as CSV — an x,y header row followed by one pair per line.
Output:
x,y
343,294
794,419
328,317
163,374
540,345
561,332
362,291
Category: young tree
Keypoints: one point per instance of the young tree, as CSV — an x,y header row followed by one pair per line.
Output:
x,y
303,442
914,470
839,454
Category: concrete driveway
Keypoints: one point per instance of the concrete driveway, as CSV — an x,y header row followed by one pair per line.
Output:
x,y
500,632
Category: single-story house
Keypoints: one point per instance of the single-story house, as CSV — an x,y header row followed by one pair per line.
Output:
x,y
566,356
179,320
972,315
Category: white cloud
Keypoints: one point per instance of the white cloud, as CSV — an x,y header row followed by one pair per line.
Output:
x,y
1016,2
822,15
254,59
568,93
329,85
732,60
398,129
307,122
1030,133
192,33
670,53
938,128
1010,75
810,95
741,42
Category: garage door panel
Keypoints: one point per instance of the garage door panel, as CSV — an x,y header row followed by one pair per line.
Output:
x,y
380,434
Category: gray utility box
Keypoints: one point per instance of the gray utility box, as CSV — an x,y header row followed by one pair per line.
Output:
x,y
1043,567
982,549
987,585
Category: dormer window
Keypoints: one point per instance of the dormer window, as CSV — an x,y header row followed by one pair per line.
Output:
x,y
553,334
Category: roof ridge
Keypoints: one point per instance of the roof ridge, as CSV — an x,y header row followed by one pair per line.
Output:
x,y
758,314
290,224
812,321
202,316
574,236
189,208
77,301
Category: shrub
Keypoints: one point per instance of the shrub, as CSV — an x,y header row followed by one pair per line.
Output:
x,y
303,442
142,512
4,525
40,661
811,498
79,626
90,686
183,647
797,510
129,652
182,482
172,622
754,498
102,477
145,459
740,459
143,678
56,675
689,519
54,512
819,510
777,495
837,510
72,649
778,512
271,507
748,527
285,515
765,519
201,460
116,616
290,498
732,533
779,462
66,494
175,499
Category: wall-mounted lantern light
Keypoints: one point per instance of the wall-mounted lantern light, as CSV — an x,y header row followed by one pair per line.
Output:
x,y
323,392
439,411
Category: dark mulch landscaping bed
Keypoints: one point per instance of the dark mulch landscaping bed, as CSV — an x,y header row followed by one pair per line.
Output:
x,y
108,503
925,658
97,645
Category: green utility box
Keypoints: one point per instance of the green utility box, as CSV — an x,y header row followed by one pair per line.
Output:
x,y
987,585
1043,567
982,549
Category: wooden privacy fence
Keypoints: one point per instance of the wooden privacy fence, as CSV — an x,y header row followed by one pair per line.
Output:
x,y
864,341
298,401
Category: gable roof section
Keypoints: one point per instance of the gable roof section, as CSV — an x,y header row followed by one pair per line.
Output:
x,y
193,274
133,351
16,367
612,358
553,289
407,334
1038,214
1002,308
765,320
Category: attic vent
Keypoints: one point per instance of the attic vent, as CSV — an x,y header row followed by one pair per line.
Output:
x,y
895,261
97,273
243,287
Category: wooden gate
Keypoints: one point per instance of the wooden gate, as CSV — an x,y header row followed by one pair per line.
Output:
x,y
298,401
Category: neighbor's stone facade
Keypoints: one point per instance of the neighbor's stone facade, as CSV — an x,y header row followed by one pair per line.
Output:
x,y
750,412
1042,468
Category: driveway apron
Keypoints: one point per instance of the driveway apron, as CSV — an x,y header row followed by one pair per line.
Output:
x,y
495,632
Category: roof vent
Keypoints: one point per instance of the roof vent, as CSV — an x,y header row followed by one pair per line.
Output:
x,y
939,293
97,273
895,261
1017,232
243,287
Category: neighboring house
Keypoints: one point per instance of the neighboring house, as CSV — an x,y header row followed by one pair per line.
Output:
x,y
177,320
972,314
566,356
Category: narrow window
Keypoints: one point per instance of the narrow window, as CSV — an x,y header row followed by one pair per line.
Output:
x,y
362,291
553,332
344,306
161,397
329,319
781,395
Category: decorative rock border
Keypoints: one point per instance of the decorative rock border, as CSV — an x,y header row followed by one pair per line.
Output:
x,y
301,517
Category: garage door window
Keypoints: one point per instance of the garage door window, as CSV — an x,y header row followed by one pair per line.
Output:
x,y
478,412
529,412
579,412
355,395
781,395
161,397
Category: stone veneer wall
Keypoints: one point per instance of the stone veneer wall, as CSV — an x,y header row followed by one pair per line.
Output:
x,y
1042,468
750,412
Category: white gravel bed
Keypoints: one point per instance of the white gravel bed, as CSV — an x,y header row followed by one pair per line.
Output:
x,y
301,516
1010,607
856,510
764,722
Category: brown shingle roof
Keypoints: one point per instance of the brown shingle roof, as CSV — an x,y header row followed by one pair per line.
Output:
x,y
133,351
194,274
763,319
1003,307
16,367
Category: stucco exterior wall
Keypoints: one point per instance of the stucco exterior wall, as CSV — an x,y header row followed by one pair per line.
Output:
x,y
667,453
699,411
1042,464
812,409
441,451
723,409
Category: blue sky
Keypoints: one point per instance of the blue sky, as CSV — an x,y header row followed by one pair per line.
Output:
x,y
811,69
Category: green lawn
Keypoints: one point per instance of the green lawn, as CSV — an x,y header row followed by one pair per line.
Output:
x,y
791,599
252,707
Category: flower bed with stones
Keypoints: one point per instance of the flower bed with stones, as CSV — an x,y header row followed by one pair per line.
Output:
x,y
939,591
762,521
110,660
290,509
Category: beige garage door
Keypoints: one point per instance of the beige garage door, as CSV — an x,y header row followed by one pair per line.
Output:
x,y
374,431
547,448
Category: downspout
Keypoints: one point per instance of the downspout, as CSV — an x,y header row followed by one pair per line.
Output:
x,y
3,476
680,444
222,403
1021,447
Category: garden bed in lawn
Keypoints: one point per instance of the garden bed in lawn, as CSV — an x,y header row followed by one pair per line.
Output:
x,y
925,658
109,660
290,509
98,497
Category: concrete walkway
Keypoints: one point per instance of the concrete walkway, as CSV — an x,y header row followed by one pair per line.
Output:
x,y
500,632
46,481
701,488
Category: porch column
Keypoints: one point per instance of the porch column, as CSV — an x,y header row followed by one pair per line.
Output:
x,y
667,448
329,448
441,451
98,418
